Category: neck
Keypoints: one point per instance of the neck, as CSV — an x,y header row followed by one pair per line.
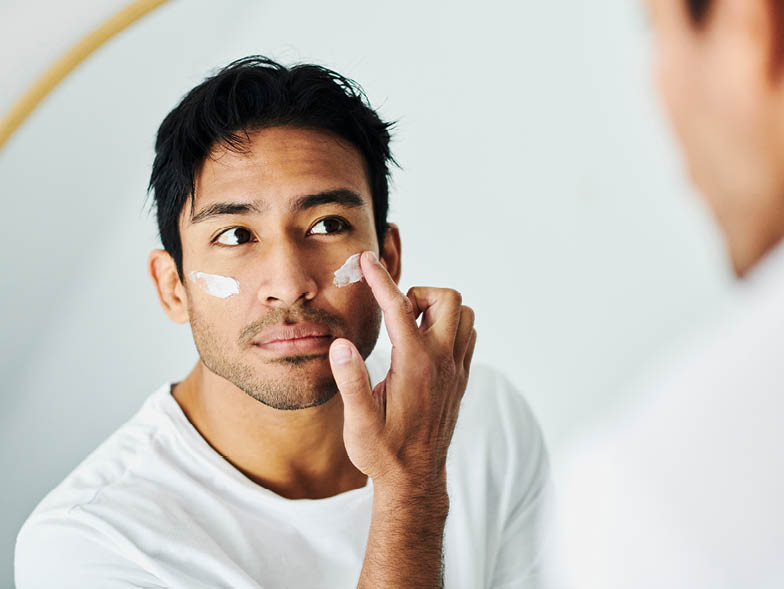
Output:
x,y
297,454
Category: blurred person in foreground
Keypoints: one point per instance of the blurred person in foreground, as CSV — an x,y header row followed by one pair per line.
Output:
x,y
685,488
283,459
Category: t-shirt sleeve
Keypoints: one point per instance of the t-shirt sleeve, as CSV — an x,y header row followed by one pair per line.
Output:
x,y
61,552
527,488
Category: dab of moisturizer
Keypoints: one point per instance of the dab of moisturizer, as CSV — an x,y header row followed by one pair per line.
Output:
x,y
218,286
349,272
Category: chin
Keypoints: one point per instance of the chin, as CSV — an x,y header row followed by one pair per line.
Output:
x,y
295,402
295,383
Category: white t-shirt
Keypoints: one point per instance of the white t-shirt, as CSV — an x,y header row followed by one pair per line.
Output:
x,y
156,506
684,487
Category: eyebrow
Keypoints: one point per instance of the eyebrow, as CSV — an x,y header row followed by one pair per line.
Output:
x,y
341,196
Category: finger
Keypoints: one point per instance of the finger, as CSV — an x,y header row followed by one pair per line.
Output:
x,y
464,334
399,314
360,411
440,308
470,352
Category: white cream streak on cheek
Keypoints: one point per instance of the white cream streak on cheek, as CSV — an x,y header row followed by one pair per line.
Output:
x,y
218,286
349,272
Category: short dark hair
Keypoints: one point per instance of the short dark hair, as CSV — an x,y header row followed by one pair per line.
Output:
x,y
698,9
253,93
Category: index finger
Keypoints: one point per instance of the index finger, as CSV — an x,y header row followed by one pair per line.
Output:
x,y
399,313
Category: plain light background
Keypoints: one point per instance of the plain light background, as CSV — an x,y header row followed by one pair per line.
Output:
x,y
539,177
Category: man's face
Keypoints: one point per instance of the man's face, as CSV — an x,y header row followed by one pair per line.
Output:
x,y
715,79
279,220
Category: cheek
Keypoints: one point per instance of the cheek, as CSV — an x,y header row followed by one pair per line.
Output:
x,y
717,113
349,273
216,285
355,303
687,90
210,322
214,299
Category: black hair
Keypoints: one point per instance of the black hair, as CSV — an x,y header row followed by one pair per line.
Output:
x,y
253,93
698,9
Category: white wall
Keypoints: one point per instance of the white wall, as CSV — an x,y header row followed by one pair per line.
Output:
x,y
539,178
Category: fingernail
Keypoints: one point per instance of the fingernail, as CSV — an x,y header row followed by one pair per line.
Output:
x,y
340,353
373,257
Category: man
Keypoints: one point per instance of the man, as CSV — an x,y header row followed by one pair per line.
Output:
x,y
685,488
253,471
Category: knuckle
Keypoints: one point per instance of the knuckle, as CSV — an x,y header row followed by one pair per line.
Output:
x,y
468,315
353,382
454,297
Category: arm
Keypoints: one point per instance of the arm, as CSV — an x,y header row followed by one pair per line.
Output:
x,y
399,433
405,544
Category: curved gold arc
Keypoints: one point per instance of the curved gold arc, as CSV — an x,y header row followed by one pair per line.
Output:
x,y
47,82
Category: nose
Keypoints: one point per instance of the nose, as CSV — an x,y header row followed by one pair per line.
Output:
x,y
286,277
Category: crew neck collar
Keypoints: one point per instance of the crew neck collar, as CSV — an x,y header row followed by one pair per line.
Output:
x,y
224,474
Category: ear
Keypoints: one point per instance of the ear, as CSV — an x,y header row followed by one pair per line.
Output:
x,y
390,253
171,292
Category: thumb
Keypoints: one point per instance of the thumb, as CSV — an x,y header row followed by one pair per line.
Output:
x,y
348,368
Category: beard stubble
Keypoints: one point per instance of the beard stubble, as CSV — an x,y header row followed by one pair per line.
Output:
x,y
298,387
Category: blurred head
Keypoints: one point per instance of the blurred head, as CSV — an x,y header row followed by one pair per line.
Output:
x,y
720,72
267,179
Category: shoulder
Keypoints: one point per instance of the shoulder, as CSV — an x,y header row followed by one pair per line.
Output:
x,y
683,456
498,438
498,441
126,447
55,532
498,470
57,545
55,549
495,409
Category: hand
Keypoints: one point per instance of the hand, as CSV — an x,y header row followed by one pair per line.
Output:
x,y
399,433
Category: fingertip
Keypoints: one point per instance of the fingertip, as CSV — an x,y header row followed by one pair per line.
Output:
x,y
370,259
341,351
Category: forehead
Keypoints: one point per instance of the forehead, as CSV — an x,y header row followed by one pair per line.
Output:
x,y
279,164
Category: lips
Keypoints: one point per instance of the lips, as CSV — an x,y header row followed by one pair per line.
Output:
x,y
302,337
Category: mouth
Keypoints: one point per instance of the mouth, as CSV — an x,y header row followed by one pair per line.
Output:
x,y
298,345
301,338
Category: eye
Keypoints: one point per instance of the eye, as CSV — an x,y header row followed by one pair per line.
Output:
x,y
233,236
329,226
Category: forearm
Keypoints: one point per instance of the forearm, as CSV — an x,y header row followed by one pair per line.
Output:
x,y
405,543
